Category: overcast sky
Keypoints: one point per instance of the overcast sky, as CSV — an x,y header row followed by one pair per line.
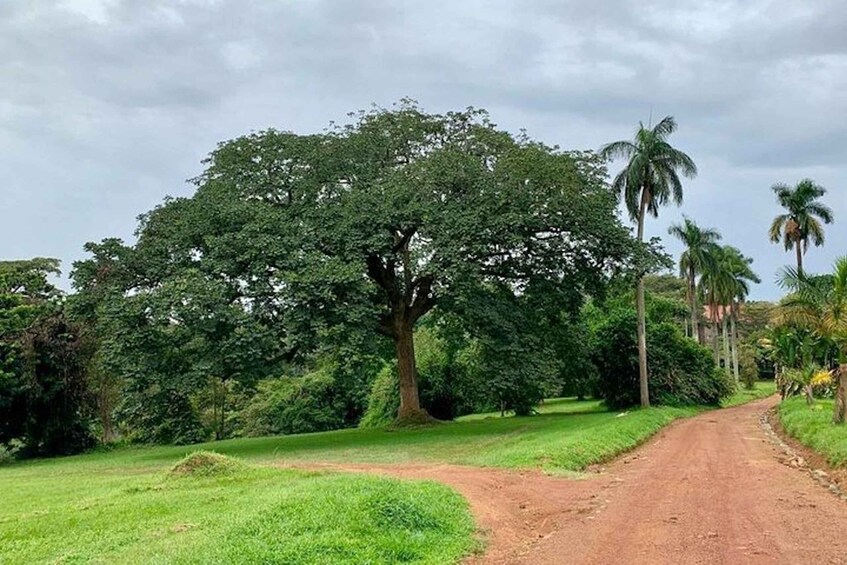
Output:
x,y
107,106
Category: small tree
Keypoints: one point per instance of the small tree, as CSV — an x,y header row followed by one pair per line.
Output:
x,y
749,368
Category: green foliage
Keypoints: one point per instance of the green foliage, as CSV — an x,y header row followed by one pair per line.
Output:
x,y
449,377
45,407
383,401
56,411
681,371
402,210
803,217
293,405
748,365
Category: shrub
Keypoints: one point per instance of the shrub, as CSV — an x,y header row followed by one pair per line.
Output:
x,y
384,400
681,371
161,415
292,405
748,366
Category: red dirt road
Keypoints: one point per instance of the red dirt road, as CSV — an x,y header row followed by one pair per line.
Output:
x,y
710,489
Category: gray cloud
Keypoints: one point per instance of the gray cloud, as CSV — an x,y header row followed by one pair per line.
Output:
x,y
108,105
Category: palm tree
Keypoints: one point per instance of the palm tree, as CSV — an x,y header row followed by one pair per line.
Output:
x,y
803,218
723,279
648,181
742,275
721,286
819,303
699,247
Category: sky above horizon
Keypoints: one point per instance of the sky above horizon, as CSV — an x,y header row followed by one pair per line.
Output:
x,y
109,105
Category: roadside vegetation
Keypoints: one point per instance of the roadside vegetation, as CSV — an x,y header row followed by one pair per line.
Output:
x,y
812,426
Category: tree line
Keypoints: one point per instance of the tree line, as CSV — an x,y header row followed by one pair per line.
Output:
x,y
402,267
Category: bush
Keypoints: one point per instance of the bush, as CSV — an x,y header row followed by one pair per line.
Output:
x,y
161,415
292,405
748,366
384,400
681,371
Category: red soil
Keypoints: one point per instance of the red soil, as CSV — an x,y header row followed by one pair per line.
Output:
x,y
709,489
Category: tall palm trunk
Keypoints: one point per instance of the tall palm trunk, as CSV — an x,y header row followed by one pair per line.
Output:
x,y
713,316
797,247
725,343
640,310
692,298
733,340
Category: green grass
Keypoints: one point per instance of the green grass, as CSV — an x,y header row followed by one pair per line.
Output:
x,y
813,427
121,510
552,442
125,506
763,389
568,405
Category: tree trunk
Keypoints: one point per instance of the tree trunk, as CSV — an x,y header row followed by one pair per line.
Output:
x,y
733,342
641,313
798,248
410,404
692,291
725,335
701,331
715,349
840,414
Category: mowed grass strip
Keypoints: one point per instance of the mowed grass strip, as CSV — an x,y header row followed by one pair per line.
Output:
x,y
551,442
813,427
129,514
762,389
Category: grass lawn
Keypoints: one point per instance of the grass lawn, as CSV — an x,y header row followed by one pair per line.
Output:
x,y
121,510
549,406
121,506
813,427
763,389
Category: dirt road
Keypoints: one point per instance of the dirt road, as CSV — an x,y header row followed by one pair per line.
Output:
x,y
710,489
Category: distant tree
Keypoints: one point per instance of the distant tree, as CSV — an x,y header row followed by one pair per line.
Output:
x,y
725,285
699,247
649,180
101,282
803,217
44,400
742,275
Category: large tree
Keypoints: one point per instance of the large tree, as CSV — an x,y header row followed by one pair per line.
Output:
x,y
649,180
374,223
693,262
803,217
